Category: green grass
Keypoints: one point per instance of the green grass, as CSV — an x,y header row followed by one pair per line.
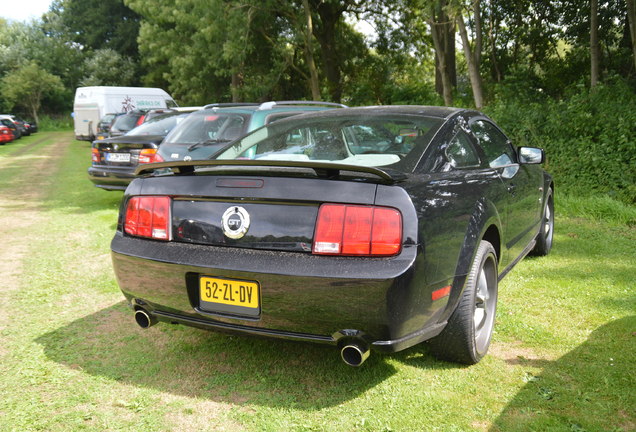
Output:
x,y
73,359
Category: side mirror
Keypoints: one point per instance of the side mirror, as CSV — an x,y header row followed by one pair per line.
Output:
x,y
530,155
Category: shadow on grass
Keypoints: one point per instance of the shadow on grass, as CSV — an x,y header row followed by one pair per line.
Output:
x,y
591,388
220,367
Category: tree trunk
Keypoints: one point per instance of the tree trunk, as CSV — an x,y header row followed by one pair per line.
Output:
x,y
473,55
314,83
594,49
446,33
631,14
440,55
329,13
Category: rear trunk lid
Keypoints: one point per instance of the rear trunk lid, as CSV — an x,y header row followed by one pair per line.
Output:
x,y
125,153
278,208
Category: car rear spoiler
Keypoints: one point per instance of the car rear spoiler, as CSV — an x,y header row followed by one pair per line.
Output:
x,y
322,169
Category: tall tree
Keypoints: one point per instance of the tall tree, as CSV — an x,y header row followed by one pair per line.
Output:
x,y
473,52
99,24
439,21
631,16
314,82
594,47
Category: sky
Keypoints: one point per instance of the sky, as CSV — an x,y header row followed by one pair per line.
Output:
x,y
23,10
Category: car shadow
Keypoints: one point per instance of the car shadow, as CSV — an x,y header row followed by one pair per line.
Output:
x,y
203,364
581,390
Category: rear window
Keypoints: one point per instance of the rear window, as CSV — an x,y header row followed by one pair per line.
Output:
x,y
158,125
364,140
208,126
125,122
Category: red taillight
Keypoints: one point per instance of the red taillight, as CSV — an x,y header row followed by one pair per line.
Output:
x,y
149,156
357,230
148,216
95,156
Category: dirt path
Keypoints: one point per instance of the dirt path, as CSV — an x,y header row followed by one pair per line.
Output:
x,y
20,206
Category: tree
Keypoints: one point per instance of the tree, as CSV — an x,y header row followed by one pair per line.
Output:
x,y
27,85
631,16
106,67
99,24
473,53
594,48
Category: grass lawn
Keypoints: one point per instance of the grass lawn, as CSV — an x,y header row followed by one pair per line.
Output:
x,y
72,358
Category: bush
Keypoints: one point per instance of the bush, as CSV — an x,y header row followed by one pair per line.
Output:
x,y
58,122
589,137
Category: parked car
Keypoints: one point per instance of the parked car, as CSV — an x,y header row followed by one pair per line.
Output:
x,y
6,135
103,127
114,159
8,122
23,129
365,228
208,130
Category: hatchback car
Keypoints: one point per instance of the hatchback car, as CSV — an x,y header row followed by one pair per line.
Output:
x,y
365,228
114,159
203,133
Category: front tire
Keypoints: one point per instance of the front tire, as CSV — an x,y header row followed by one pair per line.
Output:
x,y
466,337
546,232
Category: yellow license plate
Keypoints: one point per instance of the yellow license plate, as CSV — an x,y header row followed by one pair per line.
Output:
x,y
215,291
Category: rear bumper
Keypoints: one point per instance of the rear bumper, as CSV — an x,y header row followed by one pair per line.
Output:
x,y
303,297
111,178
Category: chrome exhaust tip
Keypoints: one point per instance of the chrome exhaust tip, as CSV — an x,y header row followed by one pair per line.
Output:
x,y
144,319
354,354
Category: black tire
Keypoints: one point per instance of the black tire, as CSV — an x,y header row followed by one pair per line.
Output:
x,y
546,232
466,337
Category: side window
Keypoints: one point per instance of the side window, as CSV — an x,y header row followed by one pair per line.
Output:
x,y
494,143
460,152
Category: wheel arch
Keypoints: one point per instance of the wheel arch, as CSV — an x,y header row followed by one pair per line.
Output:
x,y
484,224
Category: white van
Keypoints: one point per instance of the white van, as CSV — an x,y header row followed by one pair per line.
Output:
x,y
92,103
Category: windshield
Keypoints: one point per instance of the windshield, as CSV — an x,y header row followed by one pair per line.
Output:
x,y
208,126
160,125
368,139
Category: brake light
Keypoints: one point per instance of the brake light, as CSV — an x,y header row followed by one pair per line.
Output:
x,y
148,216
141,120
357,230
95,156
149,156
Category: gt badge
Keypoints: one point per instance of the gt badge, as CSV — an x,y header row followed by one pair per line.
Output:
x,y
236,222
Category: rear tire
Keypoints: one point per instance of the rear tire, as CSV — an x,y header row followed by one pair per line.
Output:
x,y
466,337
546,232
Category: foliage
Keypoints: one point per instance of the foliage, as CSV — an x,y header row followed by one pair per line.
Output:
x,y
106,67
26,87
98,24
588,136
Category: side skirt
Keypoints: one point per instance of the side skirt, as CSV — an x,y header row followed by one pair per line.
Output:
x,y
521,256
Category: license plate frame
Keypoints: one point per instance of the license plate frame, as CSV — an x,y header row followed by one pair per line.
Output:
x,y
229,296
118,157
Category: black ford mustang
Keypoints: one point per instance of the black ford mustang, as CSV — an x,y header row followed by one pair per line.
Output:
x,y
367,228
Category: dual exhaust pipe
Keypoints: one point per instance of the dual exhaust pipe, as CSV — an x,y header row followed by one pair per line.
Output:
x,y
353,354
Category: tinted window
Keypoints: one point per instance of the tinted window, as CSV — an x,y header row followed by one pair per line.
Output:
x,y
208,125
460,152
494,143
365,140
158,125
